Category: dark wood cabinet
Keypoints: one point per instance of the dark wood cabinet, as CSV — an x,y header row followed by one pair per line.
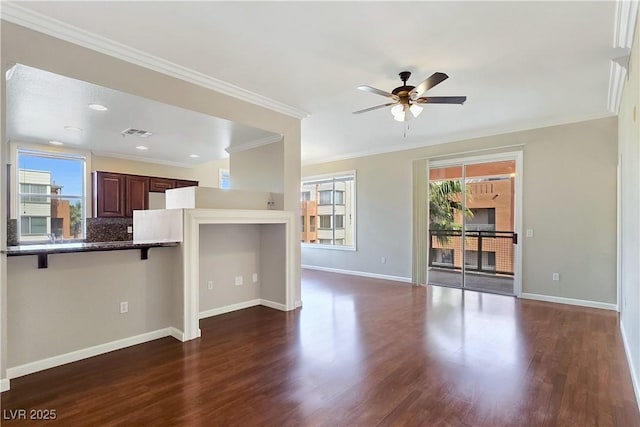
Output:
x,y
108,194
117,195
136,194
160,185
184,183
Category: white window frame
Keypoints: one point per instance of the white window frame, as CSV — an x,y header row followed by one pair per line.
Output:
x,y
355,210
66,155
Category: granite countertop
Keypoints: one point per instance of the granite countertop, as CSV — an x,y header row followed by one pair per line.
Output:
x,y
57,248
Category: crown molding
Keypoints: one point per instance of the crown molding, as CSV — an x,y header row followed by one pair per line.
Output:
x,y
141,159
253,144
617,74
625,23
459,137
11,12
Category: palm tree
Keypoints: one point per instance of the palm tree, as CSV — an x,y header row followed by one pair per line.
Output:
x,y
75,220
445,199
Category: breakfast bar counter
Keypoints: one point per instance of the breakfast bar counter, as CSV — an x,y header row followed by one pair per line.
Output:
x,y
43,250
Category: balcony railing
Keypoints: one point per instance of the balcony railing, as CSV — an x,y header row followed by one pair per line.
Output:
x,y
485,251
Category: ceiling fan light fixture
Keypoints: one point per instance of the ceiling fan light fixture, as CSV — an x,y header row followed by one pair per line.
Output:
x,y
416,109
397,109
408,98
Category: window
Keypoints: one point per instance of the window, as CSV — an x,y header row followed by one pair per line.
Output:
x,y
335,209
483,219
34,189
33,225
442,257
50,195
224,180
325,222
325,197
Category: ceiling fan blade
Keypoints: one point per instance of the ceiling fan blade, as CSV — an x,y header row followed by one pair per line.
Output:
x,y
374,108
434,79
442,100
372,89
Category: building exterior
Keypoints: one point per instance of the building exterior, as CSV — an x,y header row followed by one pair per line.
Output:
x,y
41,215
327,211
61,216
488,244
34,204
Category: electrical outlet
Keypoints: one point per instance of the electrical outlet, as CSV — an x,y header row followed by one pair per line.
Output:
x,y
383,260
556,276
129,229
255,277
529,232
124,307
239,281
210,285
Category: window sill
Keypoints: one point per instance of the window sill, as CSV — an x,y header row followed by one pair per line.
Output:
x,y
334,247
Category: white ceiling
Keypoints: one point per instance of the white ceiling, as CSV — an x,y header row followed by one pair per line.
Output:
x,y
521,64
40,104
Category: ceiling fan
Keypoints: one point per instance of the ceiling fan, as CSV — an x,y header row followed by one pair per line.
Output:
x,y
407,99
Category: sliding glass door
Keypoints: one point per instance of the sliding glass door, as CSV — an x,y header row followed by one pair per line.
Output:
x,y
472,225
446,247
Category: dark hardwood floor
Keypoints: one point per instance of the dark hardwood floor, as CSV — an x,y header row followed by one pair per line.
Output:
x,y
360,352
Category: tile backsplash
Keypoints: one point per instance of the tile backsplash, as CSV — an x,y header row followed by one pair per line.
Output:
x,y
12,232
108,229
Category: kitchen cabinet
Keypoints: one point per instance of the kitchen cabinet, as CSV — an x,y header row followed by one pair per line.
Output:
x,y
117,195
136,194
108,194
184,183
160,185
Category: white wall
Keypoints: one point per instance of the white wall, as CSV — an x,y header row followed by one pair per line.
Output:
x,y
28,47
227,251
258,169
629,152
206,173
569,200
5,156
231,250
75,303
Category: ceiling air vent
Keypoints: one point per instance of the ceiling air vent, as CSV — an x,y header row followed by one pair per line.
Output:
x,y
136,132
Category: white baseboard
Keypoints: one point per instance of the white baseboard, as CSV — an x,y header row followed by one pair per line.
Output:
x,y
274,305
85,353
229,308
359,273
298,304
4,384
632,368
570,301
176,333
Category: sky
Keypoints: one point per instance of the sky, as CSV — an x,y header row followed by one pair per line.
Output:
x,y
67,173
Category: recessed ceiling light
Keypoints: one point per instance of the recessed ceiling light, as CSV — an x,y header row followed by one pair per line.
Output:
x,y
141,147
98,107
72,129
56,143
194,156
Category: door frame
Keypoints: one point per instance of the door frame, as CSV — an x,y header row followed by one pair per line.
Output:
x,y
517,156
